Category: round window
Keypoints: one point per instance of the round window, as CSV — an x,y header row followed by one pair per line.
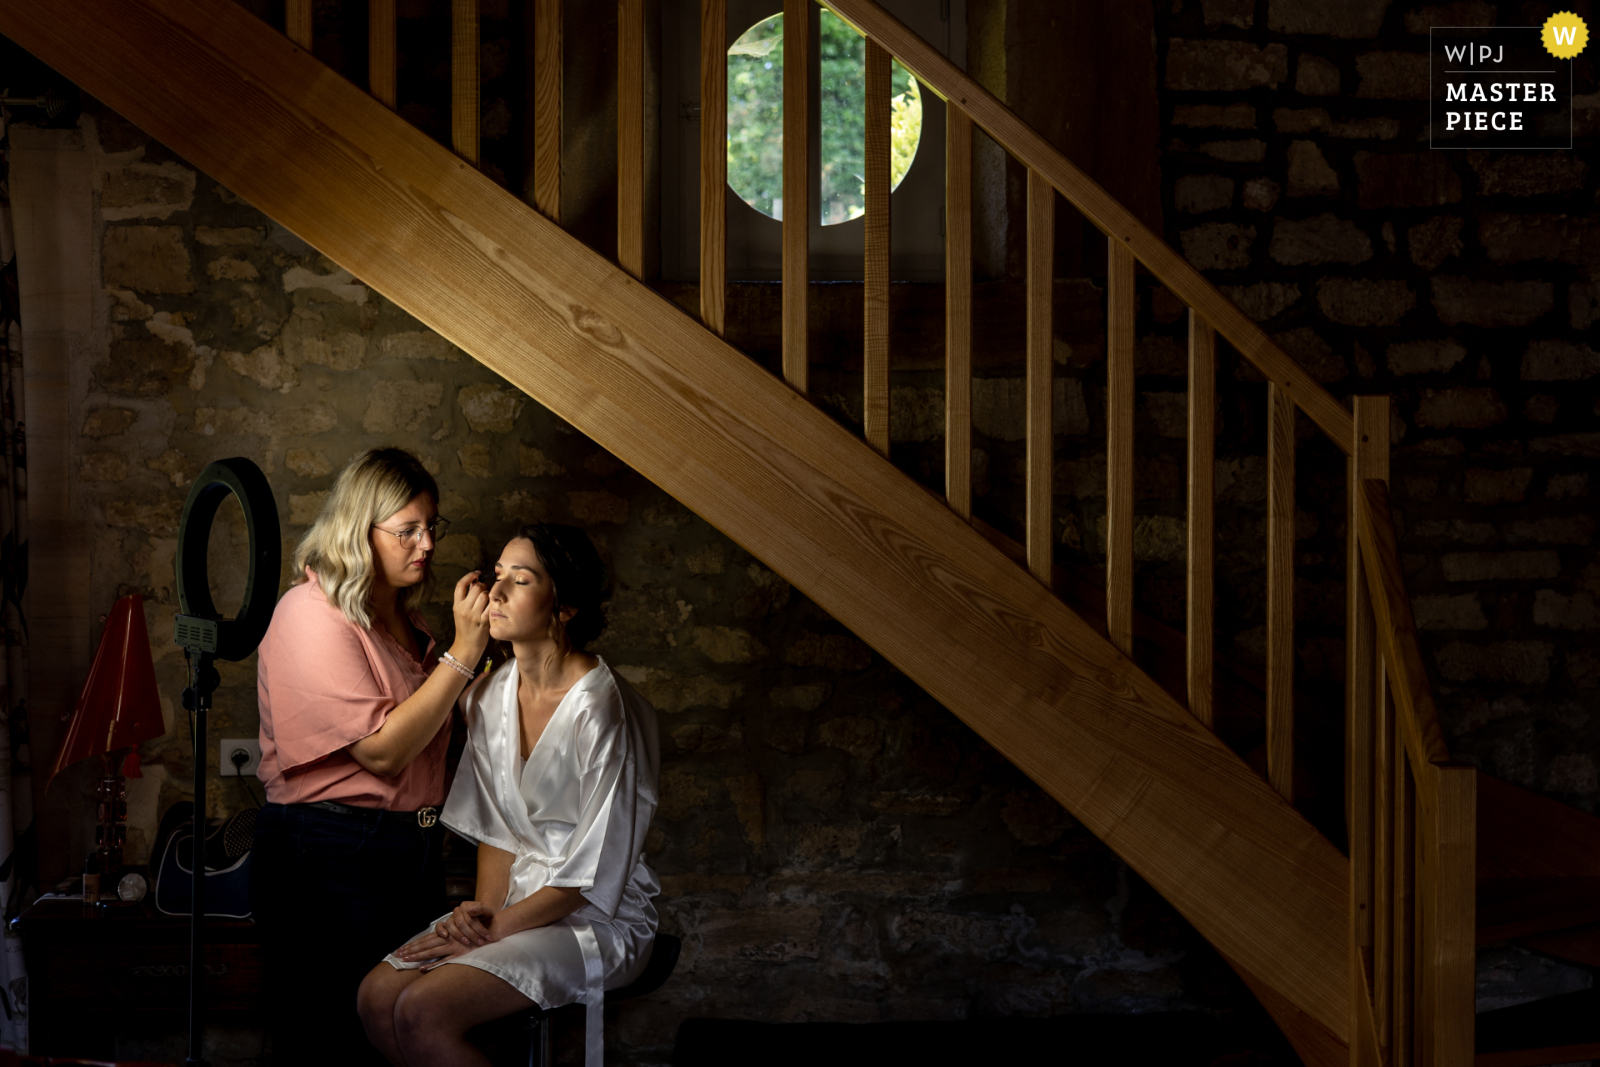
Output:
x,y
755,119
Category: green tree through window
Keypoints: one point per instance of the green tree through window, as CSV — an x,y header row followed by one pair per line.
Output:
x,y
755,119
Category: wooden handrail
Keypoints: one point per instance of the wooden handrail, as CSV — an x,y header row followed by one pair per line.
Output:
x,y
958,89
1396,629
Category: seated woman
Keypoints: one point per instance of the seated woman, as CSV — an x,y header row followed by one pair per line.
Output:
x,y
557,786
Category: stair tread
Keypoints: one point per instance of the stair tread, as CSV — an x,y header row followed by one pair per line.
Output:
x,y
1569,1019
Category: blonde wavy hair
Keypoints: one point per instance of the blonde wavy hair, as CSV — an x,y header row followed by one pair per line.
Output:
x,y
338,550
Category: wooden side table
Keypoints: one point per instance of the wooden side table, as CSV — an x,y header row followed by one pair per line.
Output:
x,y
96,974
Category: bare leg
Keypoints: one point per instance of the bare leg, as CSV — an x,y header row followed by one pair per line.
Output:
x,y
433,1014
375,1002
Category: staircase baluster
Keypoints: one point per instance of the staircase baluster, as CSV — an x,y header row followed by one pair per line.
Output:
x,y
796,191
1039,517
1362,774
1280,590
1119,445
380,51
713,164
1384,921
547,77
464,79
297,22
630,136
958,311
1403,1050
876,295
1202,504
1453,954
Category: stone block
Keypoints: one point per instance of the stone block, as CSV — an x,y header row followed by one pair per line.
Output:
x,y
265,366
1240,13
1300,120
310,337
157,517
1449,612
1559,361
1542,408
1034,817
397,406
1583,304
1250,150
533,463
147,259
1567,486
1315,76
1510,662
1225,66
1375,128
1425,357
916,414
1218,245
1215,116
1199,193
1323,239
859,737
1264,300
491,408
1569,444
1260,194
1405,179
1513,238
1554,530
1313,354
102,467
1455,531
1353,19
1309,173
833,652
1478,303
1556,610
1392,76
108,422
1528,173
1461,13
474,460
1363,302
231,269
998,407
1434,241
1500,566
420,344
1466,409
1485,486
225,236
145,367
764,935
306,463
598,506
146,190
1168,413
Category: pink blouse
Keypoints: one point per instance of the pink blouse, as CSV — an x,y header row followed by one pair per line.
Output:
x,y
325,683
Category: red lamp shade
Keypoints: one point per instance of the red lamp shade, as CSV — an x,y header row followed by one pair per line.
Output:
x,y
119,706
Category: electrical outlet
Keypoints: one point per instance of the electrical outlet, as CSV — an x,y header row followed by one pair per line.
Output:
x,y
232,745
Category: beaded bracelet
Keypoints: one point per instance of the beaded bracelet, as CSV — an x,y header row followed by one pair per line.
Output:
x,y
456,665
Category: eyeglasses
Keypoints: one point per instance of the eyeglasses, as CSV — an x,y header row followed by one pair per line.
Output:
x,y
413,534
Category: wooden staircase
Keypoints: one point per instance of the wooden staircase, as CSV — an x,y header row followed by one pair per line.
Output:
x,y
1366,960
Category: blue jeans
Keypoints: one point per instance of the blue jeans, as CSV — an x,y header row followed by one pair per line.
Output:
x,y
333,893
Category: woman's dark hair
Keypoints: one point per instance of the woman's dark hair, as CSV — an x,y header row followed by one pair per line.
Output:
x,y
574,567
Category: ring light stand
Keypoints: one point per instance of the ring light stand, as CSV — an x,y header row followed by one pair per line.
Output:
x,y
207,637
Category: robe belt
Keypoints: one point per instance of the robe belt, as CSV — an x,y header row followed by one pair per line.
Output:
x,y
594,996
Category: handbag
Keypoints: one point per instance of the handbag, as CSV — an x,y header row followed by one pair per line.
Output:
x,y
225,852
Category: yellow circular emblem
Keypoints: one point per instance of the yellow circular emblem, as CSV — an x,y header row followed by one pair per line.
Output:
x,y
1565,35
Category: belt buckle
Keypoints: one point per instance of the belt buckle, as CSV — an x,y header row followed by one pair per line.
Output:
x,y
426,817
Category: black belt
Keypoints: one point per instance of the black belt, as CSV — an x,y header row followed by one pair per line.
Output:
x,y
425,817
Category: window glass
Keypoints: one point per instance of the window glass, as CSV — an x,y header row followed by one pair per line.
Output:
x,y
755,119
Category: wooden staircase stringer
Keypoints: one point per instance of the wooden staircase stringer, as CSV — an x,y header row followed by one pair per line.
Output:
x,y
744,451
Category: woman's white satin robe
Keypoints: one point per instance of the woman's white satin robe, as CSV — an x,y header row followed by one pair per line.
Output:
x,y
575,814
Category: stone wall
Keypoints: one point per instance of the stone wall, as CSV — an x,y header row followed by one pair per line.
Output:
x,y
1297,175
833,845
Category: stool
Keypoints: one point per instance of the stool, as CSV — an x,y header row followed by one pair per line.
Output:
x,y
536,1020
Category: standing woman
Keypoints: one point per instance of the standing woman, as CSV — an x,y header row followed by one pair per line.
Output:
x,y
355,722
557,786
